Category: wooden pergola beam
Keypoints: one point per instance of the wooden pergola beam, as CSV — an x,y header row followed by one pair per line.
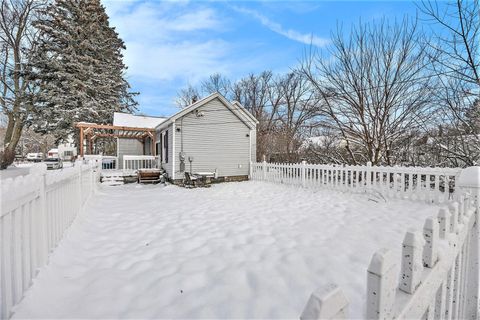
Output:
x,y
89,132
112,127
113,135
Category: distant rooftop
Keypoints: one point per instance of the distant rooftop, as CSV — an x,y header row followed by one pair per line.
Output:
x,y
131,120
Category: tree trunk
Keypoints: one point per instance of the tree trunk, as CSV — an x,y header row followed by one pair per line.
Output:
x,y
8,155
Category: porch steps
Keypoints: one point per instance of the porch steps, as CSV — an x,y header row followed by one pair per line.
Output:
x,y
113,180
118,177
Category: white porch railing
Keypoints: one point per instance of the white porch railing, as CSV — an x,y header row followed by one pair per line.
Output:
x,y
439,272
133,163
36,209
107,162
415,183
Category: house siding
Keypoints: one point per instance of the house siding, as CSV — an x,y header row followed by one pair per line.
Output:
x,y
253,134
217,141
128,147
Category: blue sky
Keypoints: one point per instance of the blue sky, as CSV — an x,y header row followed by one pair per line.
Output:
x,y
174,43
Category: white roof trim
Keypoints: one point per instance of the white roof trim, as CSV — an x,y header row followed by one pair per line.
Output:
x,y
245,111
236,108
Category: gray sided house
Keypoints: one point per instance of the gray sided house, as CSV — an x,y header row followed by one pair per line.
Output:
x,y
132,146
211,135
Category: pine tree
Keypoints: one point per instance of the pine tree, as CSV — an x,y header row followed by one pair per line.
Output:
x,y
79,67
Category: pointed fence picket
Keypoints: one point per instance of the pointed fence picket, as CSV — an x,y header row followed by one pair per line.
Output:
x,y
434,185
36,209
438,275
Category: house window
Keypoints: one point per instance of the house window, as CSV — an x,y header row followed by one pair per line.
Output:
x,y
165,146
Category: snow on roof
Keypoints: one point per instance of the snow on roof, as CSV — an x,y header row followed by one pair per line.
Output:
x,y
131,120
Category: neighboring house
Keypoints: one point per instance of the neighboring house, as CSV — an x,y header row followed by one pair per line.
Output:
x,y
52,153
211,135
67,151
134,146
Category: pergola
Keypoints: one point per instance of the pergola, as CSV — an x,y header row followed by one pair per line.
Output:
x,y
89,132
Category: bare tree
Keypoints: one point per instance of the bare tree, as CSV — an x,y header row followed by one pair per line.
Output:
x,y
298,109
187,96
375,87
260,96
457,64
458,144
458,39
17,37
217,83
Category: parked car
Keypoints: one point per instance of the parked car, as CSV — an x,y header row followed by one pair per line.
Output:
x,y
53,163
35,157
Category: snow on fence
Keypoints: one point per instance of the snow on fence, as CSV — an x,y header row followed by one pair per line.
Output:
x,y
36,209
132,163
437,277
415,183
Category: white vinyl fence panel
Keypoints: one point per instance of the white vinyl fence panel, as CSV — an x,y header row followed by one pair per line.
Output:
x,y
415,183
438,274
36,209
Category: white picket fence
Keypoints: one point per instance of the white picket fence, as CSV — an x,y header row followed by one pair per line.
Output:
x,y
415,183
36,209
133,163
437,277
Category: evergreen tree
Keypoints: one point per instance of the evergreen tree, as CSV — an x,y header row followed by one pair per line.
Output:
x,y
79,67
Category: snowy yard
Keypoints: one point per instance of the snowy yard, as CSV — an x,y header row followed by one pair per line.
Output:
x,y
15,171
235,250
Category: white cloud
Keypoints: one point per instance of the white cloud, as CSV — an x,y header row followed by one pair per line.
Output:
x,y
164,39
188,60
288,33
159,20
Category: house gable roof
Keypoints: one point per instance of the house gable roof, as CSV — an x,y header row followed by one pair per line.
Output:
x,y
236,108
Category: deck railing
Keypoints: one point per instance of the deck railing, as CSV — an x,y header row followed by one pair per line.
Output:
x,y
36,209
437,277
415,183
133,163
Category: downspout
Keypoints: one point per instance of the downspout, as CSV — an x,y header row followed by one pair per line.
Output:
x,y
173,150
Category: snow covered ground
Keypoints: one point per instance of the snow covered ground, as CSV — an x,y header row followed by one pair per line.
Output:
x,y
15,170
235,250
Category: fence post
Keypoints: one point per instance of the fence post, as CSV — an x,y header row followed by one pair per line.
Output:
x,y
368,181
430,233
327,303
381,285
304,164
412,261
469,181
264,170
